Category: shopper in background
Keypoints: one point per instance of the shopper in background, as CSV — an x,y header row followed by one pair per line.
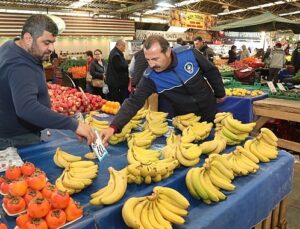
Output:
x,y
295,61
24,100
179,42
89,59
53,56
183,76
201,46
277,62
117,74
244,53
266,58
97,70
232,55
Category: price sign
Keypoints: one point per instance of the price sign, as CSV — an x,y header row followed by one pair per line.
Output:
x,y
271,87
98,148
281,87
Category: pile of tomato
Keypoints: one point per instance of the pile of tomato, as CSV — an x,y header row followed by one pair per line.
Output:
x,y
26,190
111,107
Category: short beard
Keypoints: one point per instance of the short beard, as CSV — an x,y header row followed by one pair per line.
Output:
x,y
32,51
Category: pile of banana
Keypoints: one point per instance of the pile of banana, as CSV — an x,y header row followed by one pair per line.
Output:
x,y
233,130
141,114
142,139
63,159
77,176
113,191
122,136
182,121
159,210
205,182
137,154
95,123
215,146
157,123
196,131
242,161
264,146
146,172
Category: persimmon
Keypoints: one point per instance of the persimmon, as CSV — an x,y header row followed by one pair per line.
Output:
x,y
18,187
2,179
56,218
48,190
38,207
36,223
21,220
37,180
31,194
3,226
60,199
27,168
15,205
73,211
13,172
4,187
6,198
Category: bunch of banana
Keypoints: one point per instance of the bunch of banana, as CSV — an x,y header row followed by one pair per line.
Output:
x,y
173,138
147,172
97,124
122,136
138,154
113,191
240,163
63,159
140,114
156,211
77,176
142,139
157,123
183,121
220,116
205,182
196,131
156,116
264,146
215,146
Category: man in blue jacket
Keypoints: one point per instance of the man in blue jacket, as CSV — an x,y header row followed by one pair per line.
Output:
x,y
183,76
24,100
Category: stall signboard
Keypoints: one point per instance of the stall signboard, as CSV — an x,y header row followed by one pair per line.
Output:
x,y
170,36
192,20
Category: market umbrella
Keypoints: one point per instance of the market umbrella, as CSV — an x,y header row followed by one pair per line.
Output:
x,y
264,22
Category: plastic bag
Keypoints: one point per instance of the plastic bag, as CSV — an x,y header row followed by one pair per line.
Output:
x,y
105,89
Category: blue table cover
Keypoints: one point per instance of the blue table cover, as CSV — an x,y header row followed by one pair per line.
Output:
x,y
256,195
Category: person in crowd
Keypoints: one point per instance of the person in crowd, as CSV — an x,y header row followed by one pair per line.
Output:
x,y
201,46
295,61
266,58
89,59
97,70
232,55
25,107
53,56
117,73
190,82
277,62
244,53
179,42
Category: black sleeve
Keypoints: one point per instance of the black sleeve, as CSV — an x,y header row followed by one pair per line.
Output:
x,y
135,102
119,64
293,58
211,73
93,71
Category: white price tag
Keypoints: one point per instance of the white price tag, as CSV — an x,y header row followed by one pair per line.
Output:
x,y
281,87
98,148
271,86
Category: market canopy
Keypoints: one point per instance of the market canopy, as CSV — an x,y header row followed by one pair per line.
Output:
x,y
264,22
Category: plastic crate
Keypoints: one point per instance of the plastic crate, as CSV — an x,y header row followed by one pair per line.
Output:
x,y
296,97
227,74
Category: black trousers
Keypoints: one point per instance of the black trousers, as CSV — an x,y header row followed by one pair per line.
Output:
x,y
20,140
118,94
273,74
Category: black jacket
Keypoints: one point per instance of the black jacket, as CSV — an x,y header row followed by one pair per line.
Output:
x,y
117,69
140,65
96,70
296,59
207,52
197,94
232,56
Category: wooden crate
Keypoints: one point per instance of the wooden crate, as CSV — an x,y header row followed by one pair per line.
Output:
x,y
276,219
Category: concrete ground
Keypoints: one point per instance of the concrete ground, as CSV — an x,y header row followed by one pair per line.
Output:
x,y
293,207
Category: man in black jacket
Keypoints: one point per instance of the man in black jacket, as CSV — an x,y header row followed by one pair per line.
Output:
x,y
202,47
183,76
296,58
117,74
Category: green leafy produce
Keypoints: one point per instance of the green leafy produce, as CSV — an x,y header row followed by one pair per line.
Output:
x,y
68,63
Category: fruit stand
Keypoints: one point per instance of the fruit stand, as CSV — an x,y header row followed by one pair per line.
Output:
x,y
249,204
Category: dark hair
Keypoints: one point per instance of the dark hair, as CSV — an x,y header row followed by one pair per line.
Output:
x,y
37,24
233,47
198,38
164,44
179,40
98,50
89,53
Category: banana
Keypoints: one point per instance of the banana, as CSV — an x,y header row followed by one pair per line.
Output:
x,y
85,181
169,215
133,169
269,133
197,186
155,224
268,152
137,212
191,153
220,147
210,193
268,140
211,187
93,168
99,192
73,184
144,216
61,160
225,171
248,127
219,174
184,161
185,116
230,128
67,156
222,159
208,146
172,208
219,182
83,175
248,154
56,161
128,212
231,135
159,217
90,155
254,150
250,163
81,164
61,187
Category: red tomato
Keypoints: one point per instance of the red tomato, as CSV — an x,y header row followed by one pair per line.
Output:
x,y
37,224
37,180
27,168
21,220
15,205
18,187
56,218
60,199
31,194
13,172
48,190
38,207
73,211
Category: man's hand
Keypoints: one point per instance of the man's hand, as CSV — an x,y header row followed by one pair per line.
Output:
x,y
106,134
84,130
220,100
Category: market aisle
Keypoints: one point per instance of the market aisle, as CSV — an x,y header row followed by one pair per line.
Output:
x,y
293,209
